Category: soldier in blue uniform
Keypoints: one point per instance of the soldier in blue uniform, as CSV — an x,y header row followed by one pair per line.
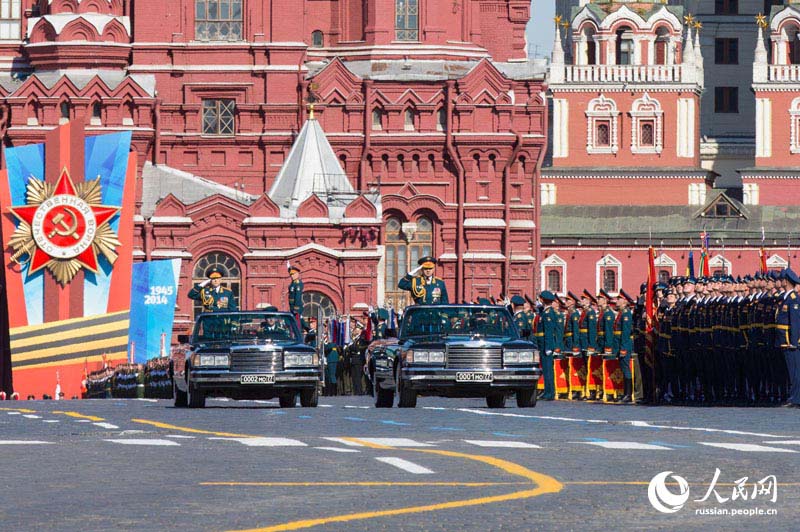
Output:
x,y
549,342
426,289
212,295
789,333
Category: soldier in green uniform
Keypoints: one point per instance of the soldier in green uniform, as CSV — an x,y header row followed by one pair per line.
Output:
x,y
521,317
212,295
426,289
588,337
623,342
295,292
550,341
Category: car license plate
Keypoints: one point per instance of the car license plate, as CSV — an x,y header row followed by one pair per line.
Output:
x,y
474,376
257,379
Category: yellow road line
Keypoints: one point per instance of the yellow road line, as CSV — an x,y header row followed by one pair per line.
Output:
x,y
544,483
23,410
193,431
79,415
366,484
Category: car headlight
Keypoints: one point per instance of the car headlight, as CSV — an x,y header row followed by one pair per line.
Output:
x,y
298,359
518,357
426,357
211,360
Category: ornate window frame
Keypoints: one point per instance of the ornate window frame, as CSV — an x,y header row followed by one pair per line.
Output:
x,y
554,263
718,261
664,261
794,117
602,109
776,262
608,262
643,110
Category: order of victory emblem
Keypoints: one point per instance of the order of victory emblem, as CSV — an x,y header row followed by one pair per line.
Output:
x,y
63,228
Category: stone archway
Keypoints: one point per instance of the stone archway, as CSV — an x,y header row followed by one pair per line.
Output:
x,y
231,274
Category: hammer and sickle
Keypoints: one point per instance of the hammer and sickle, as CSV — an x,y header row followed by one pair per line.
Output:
x,y
70,229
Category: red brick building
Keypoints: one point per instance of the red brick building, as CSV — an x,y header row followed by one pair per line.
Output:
x,y
624,170
429,134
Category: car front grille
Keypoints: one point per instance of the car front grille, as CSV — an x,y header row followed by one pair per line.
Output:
x,y
474,357
250,360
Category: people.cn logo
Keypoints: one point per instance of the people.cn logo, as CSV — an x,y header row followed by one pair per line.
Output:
x,y
662,498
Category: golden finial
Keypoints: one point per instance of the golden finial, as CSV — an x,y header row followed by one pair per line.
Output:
x,y
565,24
311,111
761,20
688,19
557,20
697,25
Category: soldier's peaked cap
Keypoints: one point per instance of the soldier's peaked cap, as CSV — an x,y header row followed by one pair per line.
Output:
x,y
626,296
293,269
792,277
547,295
572,296
604,294
588,294
214,273
517,300
427,262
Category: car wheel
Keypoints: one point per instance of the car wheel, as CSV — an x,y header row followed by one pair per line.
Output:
x,y
287,400
196,397
408,398
309,398
496,400
383,398
180,397
526,398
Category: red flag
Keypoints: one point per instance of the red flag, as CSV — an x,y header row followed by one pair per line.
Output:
x,y
368,329
650,308
762,255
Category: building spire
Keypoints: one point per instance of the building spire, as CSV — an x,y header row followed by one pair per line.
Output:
x,y
698,52
688,58
557,56
760,59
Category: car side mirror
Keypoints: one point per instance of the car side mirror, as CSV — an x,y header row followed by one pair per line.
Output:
x,y
390,333
183,338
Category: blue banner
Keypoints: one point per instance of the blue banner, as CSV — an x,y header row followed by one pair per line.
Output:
x,y
154,289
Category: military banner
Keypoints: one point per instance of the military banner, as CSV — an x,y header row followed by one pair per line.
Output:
x,y
67,231
561,369
154,289
594,374
577,375
612,378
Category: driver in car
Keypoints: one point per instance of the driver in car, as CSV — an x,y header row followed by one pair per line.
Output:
x,y
271,329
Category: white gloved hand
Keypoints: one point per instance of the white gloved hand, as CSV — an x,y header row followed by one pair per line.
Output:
x,y
205,283
415,271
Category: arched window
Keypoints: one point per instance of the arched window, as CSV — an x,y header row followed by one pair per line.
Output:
x,y
314,302
406,20
317,40
662,46
377,119
64,110
646,125
603,139
624,46
663,276
97,114
602,116
409,120
441,120
554,281
609,274
406,243
231,275
218,20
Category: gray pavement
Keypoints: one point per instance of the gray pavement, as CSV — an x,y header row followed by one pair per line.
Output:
x,y
449,464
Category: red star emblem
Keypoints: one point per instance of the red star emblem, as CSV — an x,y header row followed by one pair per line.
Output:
x,y
64,229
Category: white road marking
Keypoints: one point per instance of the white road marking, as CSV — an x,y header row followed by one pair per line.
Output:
x,y
405,465
642,424
508,444
103,425
748,447
626,445
50,421
355,406
14,413
25,442
32,416
785,442
83,421
390,442
434,408
337,449
180,436
266,442
325,406
163,443
146,400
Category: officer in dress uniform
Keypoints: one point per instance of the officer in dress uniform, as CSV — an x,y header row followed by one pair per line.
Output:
x,y
295,292
212,295
549,343
789,333
623,342
521,317
588,338
426,289
573,327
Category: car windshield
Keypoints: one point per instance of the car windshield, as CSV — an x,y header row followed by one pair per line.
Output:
x,y
246,327
458,321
